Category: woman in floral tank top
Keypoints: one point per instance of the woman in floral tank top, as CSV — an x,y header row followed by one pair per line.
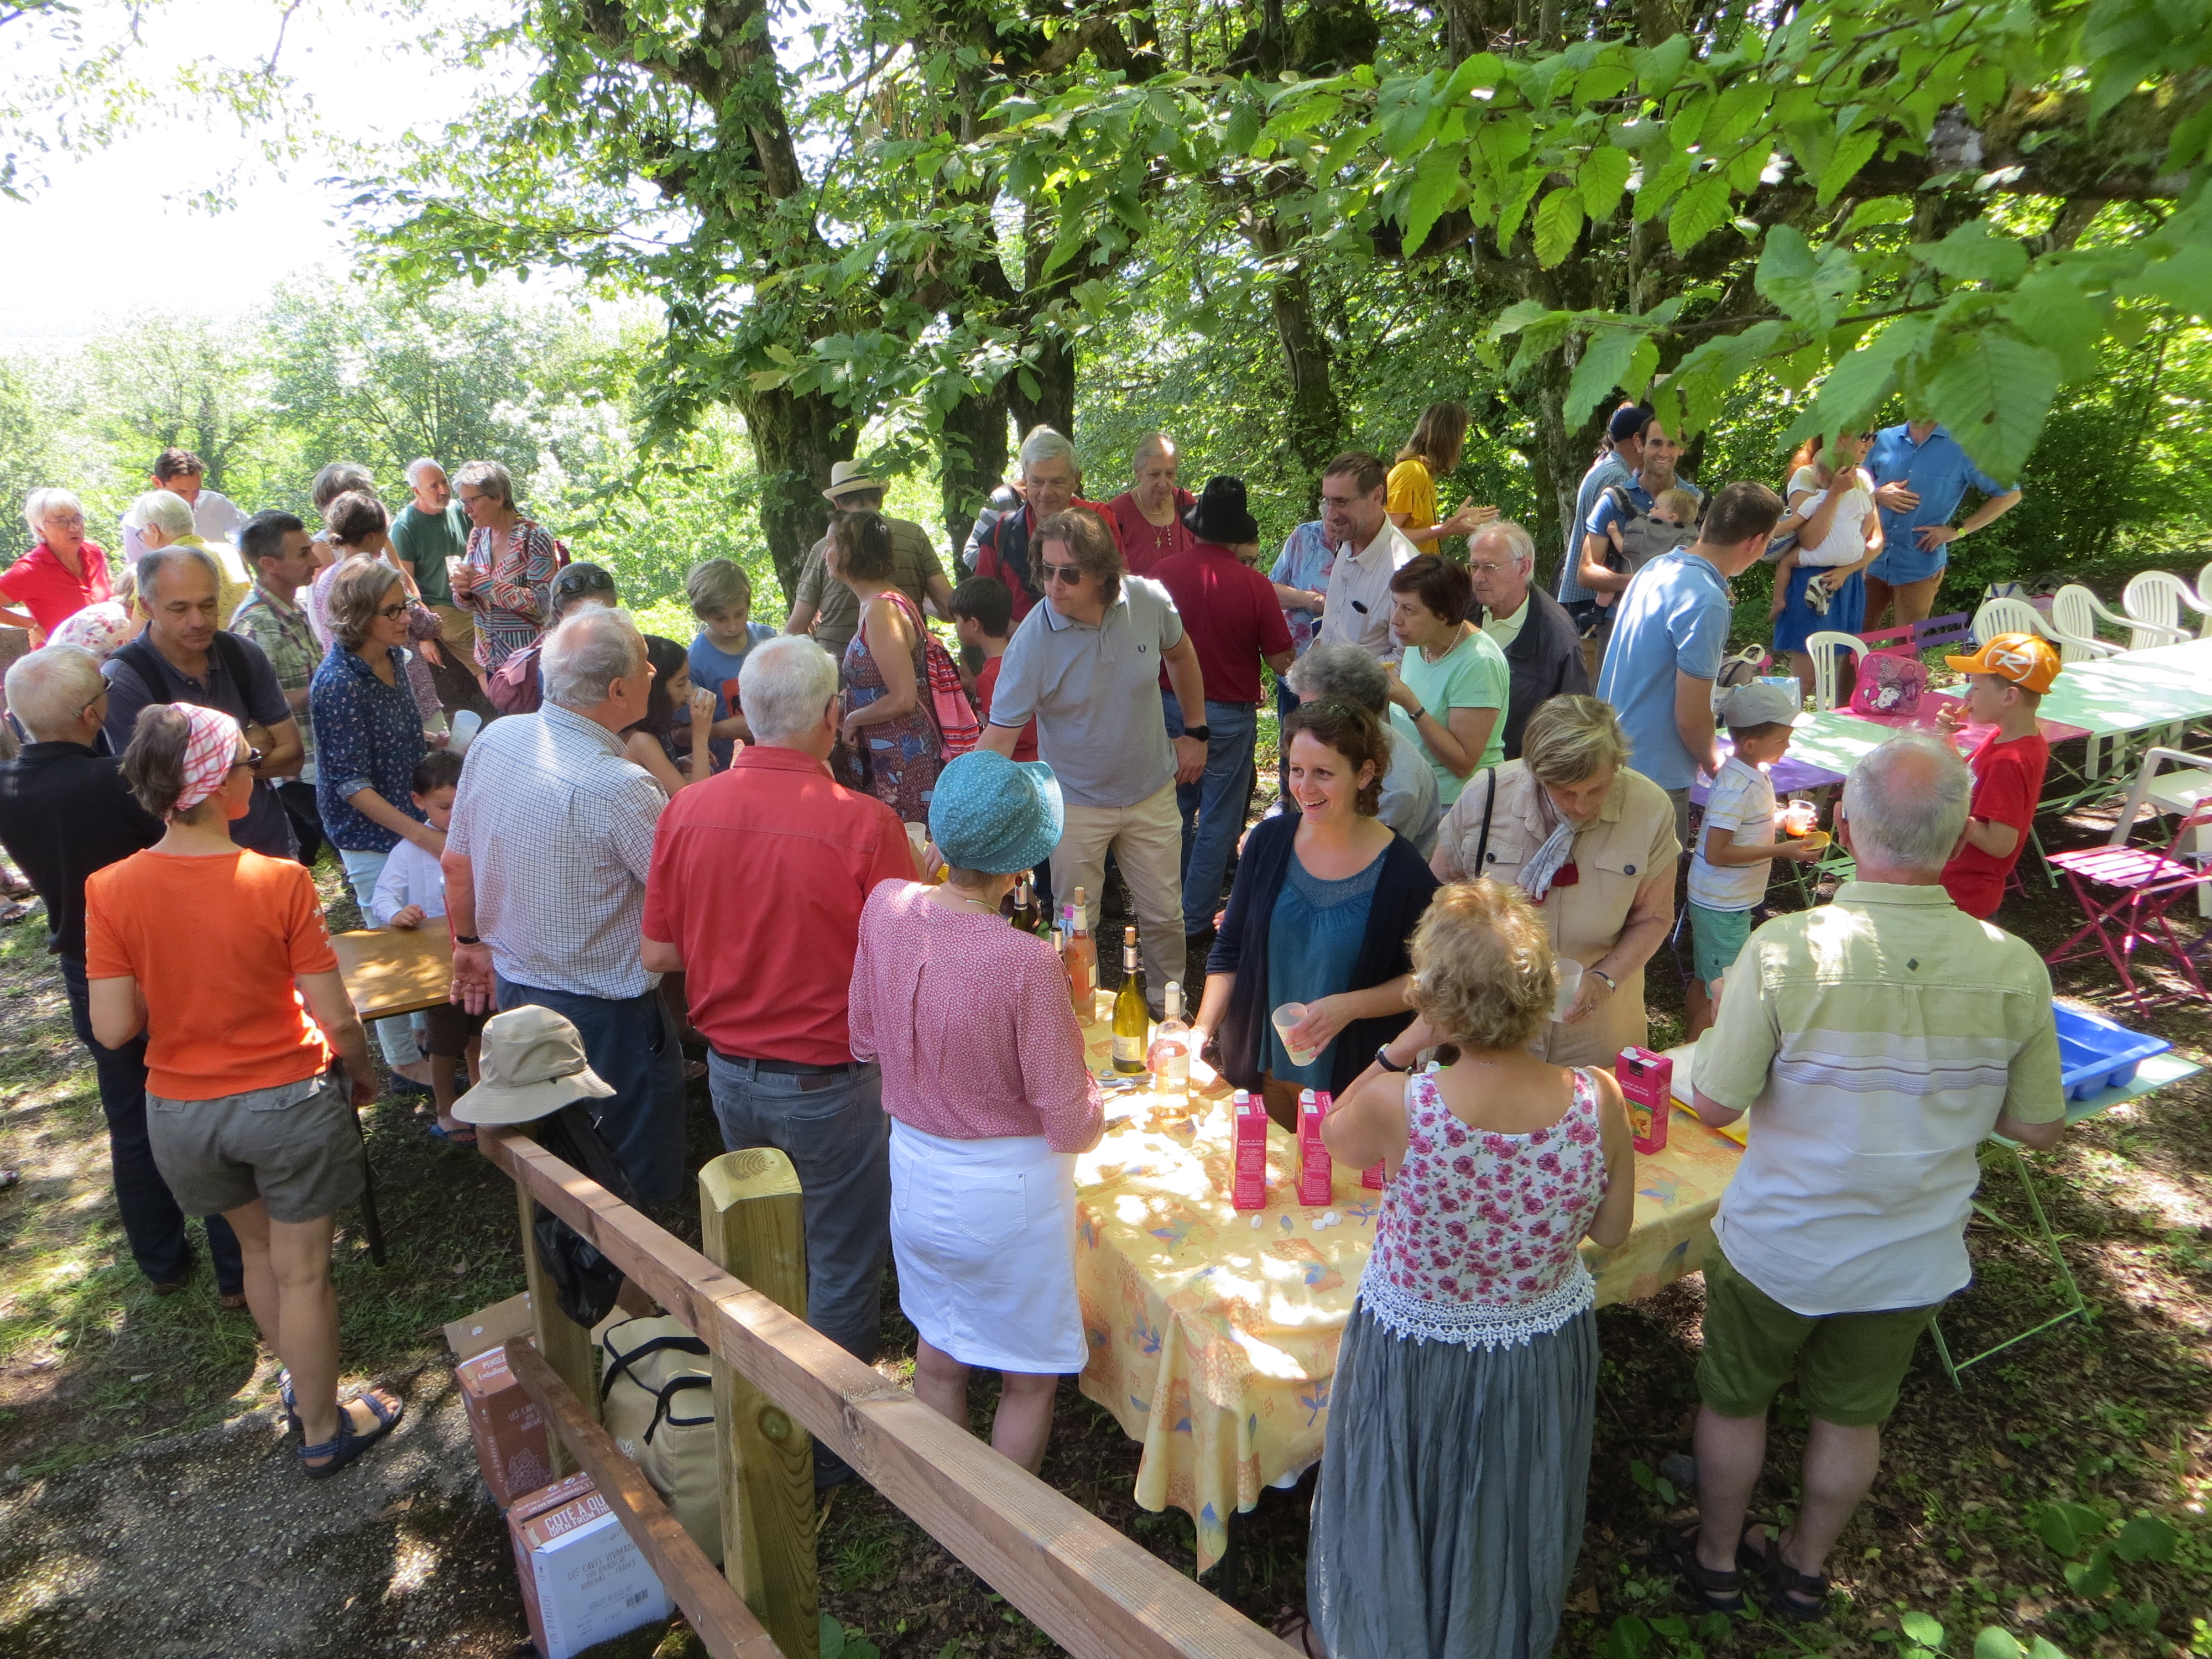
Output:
x,y
1449,1507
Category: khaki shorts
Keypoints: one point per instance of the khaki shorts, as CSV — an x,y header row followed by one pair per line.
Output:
x,y
1848,1366
296,1148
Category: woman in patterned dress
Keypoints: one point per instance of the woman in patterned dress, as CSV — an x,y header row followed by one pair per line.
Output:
x,y
504,580
888,721
1449,1508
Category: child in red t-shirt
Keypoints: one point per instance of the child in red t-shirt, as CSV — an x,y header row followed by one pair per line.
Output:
x,y
2005,683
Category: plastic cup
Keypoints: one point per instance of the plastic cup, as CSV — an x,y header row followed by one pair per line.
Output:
x,y
1800,817
466,724
1286,1018
1571,986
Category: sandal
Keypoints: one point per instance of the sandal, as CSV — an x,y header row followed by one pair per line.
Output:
x,y
1714,1590
451,1137
1297,1629
349,1443
1800,1597
288,1401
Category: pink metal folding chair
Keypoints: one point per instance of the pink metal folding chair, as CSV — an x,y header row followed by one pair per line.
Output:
x,y
2144,882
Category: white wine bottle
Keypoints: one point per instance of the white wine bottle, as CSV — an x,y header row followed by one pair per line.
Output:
x,y
1132,1021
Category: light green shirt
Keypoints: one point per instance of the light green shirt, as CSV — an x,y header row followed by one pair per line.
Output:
x,y
1471,675
1874,1040
1502,631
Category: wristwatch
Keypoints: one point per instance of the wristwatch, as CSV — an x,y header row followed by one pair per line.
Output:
x,y
467,938
1202,733
1383,1059
1420,715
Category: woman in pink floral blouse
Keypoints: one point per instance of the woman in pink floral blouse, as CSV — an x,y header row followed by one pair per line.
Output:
x,y
1449,1508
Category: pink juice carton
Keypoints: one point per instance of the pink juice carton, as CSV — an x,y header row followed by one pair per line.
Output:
x,y
1315,1171
1248,1185
1647,1083
1373,1178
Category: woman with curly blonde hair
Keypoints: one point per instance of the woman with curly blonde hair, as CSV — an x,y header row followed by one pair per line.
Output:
x,y
1461,1412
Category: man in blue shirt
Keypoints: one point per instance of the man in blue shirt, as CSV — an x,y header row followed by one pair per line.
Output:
x,y
1920,476
1671,635
1616,464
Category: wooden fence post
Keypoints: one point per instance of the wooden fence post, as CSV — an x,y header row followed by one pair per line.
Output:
x,y
752,1217
565,1344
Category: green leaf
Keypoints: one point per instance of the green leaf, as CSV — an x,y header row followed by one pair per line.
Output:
x,y
1992,1642
1605,359
1880,210
2068,1528
2043,1648
1514,207
1515,318
1921,1629
832,1637
1600,179
1638,1470
1640,369
1243,127
1629,1638
1974,253
1559,222
1483,70
2093,1577
1435,183
2051,310
1860,380
1785,274
2183,279
1658,68
1852,152
1703,209
2147,1538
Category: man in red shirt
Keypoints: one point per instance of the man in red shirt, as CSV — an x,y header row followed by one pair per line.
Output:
x,y
1230,612
1049,481
754,895
1148,520
2005,683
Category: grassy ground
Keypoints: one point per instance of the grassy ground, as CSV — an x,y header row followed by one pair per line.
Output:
x,y
2016,1501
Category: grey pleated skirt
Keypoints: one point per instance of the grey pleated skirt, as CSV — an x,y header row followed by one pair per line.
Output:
x,y
1448,1510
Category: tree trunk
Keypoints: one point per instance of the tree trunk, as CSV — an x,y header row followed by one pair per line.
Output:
x,y
796,439
1559,455
971,460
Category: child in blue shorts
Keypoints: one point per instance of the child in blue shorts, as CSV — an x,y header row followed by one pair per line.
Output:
x,y
1728,870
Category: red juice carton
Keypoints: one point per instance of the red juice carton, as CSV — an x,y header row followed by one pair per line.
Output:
x,y
1647,1083
1248,1188
1373,1178
1316,1172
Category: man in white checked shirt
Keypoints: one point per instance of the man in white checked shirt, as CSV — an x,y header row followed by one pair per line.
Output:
x,y
546,859
1370,550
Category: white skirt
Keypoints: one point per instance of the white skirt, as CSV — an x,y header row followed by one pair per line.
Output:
x,y
984,1235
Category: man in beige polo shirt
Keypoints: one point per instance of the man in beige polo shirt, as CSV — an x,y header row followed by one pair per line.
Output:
x,y
825,607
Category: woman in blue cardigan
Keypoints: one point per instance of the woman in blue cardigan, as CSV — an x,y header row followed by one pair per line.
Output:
x,y
1325,900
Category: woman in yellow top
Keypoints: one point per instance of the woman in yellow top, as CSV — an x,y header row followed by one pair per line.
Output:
x,y
1438,440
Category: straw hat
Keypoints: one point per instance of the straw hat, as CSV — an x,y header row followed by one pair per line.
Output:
x,y
846,477
533,1066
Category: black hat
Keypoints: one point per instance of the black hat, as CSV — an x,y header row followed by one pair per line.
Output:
x,y
1220,515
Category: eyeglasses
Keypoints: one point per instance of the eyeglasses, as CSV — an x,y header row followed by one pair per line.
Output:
x,y
1070,574
394,612
252,762
1486,569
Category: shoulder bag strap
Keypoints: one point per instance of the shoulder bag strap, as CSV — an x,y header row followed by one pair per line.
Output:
x,y
1489,803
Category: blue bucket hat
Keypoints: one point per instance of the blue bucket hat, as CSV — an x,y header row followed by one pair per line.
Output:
x,y
996,815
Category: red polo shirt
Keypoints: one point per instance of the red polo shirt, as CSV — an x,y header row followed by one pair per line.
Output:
x,y
43,585
1144,544
1230,612
758,876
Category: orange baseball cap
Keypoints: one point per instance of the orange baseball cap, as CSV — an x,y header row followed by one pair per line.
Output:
x,y
2024,658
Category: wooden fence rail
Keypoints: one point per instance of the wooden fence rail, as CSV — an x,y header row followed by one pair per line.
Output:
x,y
1092,1591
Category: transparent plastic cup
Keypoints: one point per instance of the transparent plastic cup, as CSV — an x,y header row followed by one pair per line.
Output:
x,y
1286,1018
1571,987
466,724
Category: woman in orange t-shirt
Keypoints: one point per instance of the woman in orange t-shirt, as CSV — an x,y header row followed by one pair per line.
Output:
x,y
219,955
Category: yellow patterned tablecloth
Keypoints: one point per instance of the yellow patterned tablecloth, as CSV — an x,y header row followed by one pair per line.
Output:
x,y
1213,1340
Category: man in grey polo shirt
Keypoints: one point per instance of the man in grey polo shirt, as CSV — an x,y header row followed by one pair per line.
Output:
x,y
1085,665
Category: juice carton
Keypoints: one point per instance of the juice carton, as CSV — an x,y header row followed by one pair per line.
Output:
x,y
1373,1178
1248,1119
1647,1082
1315,1171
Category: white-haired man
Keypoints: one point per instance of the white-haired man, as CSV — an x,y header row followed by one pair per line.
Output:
x,y
429,530
1147,517
768,983
1877,1040
1049,479
829,609
1529,625
65,811
545,865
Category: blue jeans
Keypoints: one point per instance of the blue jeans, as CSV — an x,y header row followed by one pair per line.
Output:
x,y
1285,700
832,1128
1212,809
151,1218
631,1043
396,1035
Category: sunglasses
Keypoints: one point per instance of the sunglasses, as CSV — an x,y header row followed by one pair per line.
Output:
x,y
1071,574
252,762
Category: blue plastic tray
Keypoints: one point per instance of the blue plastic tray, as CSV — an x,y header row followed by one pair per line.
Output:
x,y
2094,1054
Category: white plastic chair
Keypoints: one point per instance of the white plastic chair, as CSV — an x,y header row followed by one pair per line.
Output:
x,y
2204,593
2072,625
2161,599
1822,649
2081,602
2007,616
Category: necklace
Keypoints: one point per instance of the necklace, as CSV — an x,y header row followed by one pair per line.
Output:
x,y
980,904
1427,655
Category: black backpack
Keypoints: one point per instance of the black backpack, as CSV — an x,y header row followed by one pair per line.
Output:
x,y
584,1281
146,663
